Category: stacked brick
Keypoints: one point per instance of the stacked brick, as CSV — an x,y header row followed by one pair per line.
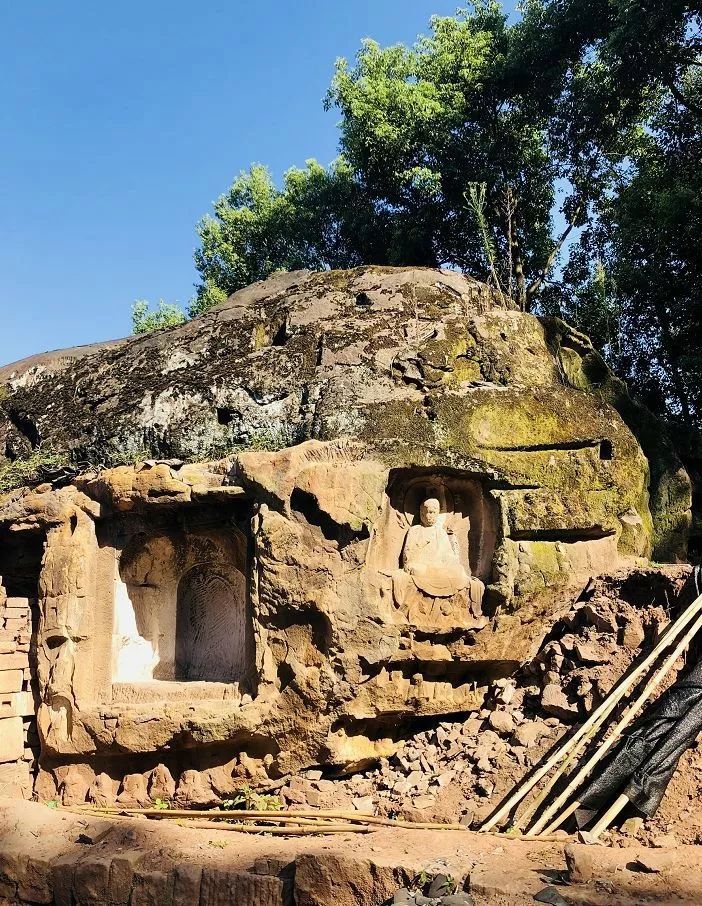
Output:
x,y
18,730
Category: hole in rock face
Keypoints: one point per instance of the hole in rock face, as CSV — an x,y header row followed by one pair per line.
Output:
x,y
224,416
211,629
280,336
606,449
21,554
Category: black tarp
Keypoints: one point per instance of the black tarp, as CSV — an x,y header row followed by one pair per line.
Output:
x,y
643,762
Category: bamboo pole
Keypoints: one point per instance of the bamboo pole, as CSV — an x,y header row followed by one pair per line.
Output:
x,y
295,831
115,814
286,817
609,816
600,713
602,750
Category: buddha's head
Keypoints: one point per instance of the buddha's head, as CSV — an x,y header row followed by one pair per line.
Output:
x,y
429,511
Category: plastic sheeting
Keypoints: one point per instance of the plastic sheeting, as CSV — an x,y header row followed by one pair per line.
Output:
x,y
643,762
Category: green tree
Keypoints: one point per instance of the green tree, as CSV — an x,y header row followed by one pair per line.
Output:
x,y
647,233
145,319
321,218
489,147
444,141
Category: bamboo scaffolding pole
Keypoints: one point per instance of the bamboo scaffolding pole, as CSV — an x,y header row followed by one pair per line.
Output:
x,y
595,720
294,831
358,819
287,817
609,816
650,687
222,813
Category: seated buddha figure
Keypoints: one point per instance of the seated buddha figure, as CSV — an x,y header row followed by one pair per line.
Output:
x,y
430,554
433,586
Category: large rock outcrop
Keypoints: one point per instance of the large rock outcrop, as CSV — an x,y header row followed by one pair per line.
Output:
x,y
215,518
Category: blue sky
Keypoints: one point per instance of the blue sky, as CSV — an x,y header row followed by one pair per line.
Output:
x,y
122,122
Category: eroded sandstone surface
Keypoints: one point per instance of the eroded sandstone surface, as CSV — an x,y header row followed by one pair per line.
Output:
x,y
227,558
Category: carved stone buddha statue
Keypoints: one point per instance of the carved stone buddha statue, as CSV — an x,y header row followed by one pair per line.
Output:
x,y
430,554
433,586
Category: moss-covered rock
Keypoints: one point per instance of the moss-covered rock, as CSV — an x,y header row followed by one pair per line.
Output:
x,y
426,368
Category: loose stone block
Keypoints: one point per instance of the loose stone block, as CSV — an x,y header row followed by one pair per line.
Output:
x,y
16,704
91,882
35,884
122,877
10,681
222,888
11,739
13,661
152,888
186,885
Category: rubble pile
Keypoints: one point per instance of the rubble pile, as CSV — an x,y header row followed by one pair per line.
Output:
x,y
461,769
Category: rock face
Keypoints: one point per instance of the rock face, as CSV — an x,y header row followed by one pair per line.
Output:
x,y
242,600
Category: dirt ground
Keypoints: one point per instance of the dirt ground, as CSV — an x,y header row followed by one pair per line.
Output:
x,y
363,869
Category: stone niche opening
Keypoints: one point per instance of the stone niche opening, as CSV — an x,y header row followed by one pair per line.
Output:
x,y
182,622
466,511
21,554
463,545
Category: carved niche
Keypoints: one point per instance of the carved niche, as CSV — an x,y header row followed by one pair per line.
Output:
x,y
431,551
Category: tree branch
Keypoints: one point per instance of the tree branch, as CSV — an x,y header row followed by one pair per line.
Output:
x,y
540,279
681,99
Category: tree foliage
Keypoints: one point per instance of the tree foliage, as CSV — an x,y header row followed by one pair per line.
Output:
x,y
556,156
321,218
146,319
646,239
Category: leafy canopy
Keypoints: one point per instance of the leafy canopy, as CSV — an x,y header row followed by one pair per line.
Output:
x,y
556,157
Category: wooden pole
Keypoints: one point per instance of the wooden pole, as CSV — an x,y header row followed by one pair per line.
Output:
x,y
626,719
295,831
609,816
600,713
285,817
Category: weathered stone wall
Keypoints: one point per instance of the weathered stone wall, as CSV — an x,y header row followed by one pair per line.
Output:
x,y
18,731
387,355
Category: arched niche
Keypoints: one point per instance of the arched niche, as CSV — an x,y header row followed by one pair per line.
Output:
x,y
466,511
182,610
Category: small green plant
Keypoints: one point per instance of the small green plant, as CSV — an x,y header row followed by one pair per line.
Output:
x,y
448,887
51,803
421,880
248,800
145,319
162,804
28,469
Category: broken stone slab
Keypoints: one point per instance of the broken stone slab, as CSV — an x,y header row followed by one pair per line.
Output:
x,y
11,738
590,653
633,634
552,896
602,621
554,701
502,722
